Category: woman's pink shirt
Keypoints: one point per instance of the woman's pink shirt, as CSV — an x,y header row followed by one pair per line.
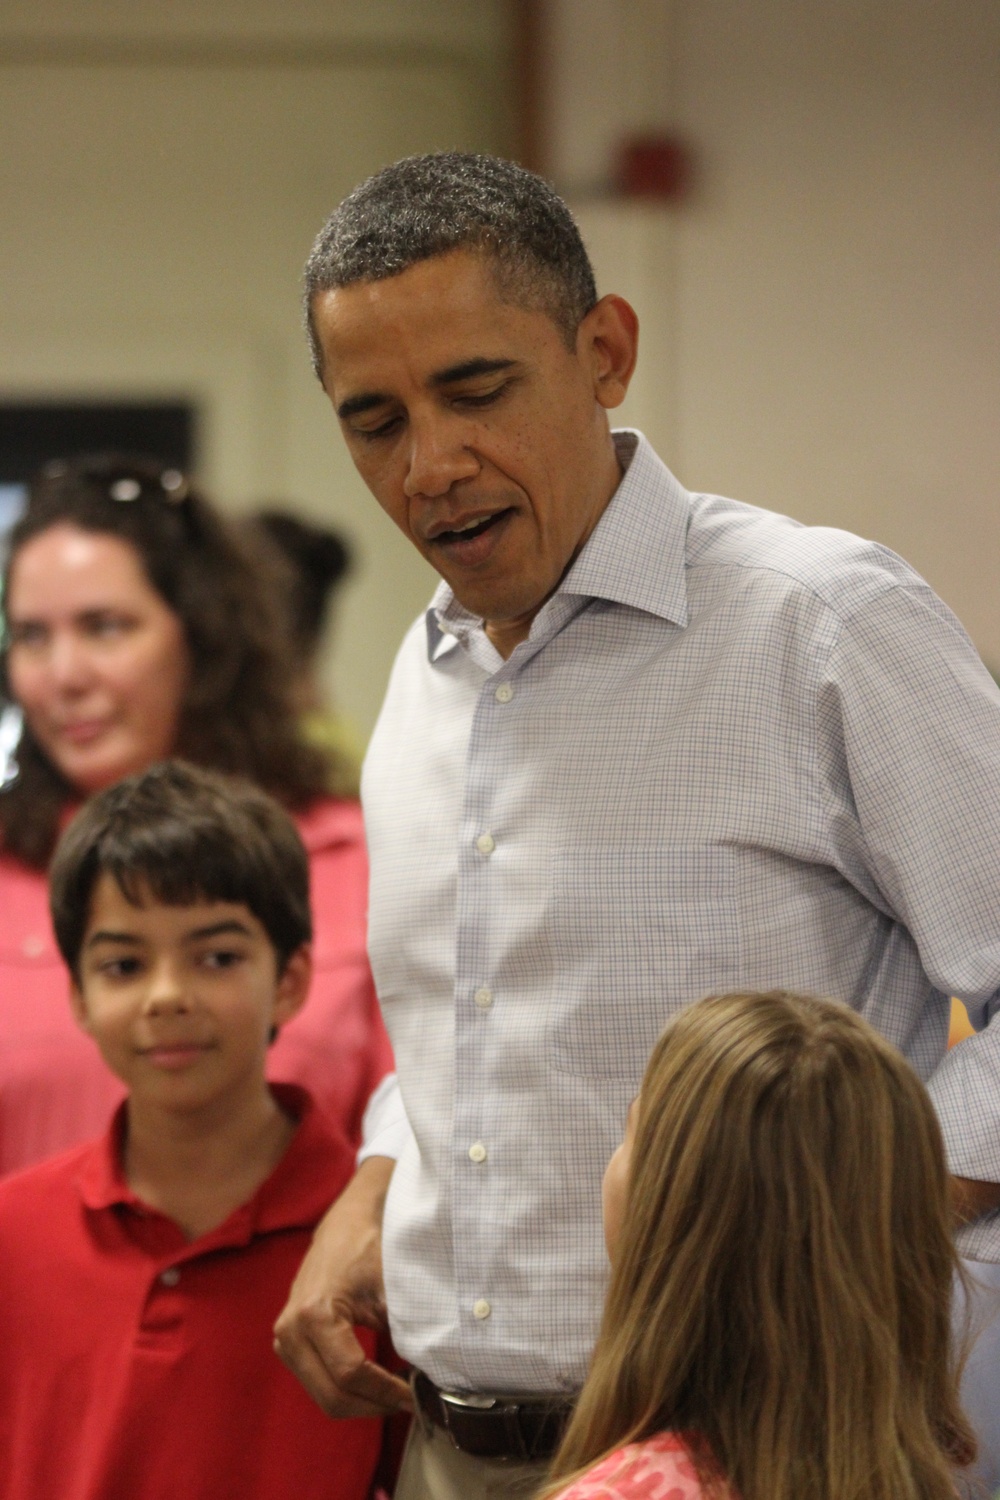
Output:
x,y
658,1468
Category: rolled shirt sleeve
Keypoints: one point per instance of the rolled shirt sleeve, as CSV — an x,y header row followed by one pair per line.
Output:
x,y
384,1128
921,730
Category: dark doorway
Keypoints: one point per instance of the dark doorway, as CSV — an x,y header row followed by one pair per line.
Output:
x,y
32,432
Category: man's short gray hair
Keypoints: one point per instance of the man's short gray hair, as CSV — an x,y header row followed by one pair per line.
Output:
x,y
424,206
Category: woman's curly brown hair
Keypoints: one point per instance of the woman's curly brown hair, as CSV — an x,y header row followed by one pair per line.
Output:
x,y
237,713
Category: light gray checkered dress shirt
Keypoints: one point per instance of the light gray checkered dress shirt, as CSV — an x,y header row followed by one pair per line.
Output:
x,y
734,752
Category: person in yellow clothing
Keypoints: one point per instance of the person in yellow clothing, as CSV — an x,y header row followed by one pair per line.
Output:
x,y
961,1026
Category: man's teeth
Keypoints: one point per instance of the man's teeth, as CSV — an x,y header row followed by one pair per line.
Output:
x,y
467,528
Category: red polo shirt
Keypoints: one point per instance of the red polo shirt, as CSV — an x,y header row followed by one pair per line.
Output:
x,y
136,1365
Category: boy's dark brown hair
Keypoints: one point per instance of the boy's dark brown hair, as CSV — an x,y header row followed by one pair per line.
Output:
x,y
183,835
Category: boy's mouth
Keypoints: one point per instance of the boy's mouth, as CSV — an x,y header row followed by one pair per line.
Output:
x,y
173,1056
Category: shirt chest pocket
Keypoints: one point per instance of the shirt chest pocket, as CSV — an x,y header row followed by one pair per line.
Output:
x,y
639,933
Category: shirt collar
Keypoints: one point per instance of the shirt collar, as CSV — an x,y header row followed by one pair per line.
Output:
x,y
636,554
101,1178
297,1192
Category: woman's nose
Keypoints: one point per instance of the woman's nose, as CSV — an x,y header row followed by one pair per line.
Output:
x,y
70,666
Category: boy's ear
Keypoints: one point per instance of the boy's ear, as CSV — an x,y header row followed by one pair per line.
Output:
x,y
78,1005
293,985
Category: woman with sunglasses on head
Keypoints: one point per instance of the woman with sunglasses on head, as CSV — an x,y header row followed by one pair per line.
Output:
x,y
137,628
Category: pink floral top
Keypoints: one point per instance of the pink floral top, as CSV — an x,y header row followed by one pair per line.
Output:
x,y
657,1469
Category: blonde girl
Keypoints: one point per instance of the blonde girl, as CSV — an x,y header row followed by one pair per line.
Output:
x,y
778,1324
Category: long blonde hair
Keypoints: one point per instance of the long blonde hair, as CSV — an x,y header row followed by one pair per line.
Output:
x,y
781,1292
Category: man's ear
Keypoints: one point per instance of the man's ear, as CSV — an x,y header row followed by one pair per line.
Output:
x,y
78,1005
293,985
608,339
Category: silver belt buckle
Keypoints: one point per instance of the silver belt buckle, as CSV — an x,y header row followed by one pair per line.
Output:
x,y
472,1402
454,1407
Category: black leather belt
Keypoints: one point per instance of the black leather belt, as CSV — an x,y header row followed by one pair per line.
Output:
x,y
498,1427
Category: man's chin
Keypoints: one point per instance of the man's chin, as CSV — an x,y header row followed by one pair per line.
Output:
x,y
496,611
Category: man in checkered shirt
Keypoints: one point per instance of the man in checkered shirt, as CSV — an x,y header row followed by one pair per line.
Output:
x,y
643,745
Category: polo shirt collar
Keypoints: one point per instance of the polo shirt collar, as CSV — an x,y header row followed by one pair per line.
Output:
x,y
636,554
101,1178
296,1194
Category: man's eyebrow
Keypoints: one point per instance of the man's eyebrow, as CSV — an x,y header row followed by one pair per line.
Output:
x,y
353,406
470,368
364,401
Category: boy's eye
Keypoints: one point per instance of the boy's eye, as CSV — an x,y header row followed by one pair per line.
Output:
x,y
120,968
221,958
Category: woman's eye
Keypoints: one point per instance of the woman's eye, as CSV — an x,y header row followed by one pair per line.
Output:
x,y
104,626
27,634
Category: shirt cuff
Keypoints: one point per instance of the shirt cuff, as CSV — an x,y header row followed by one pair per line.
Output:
x,y
384,1128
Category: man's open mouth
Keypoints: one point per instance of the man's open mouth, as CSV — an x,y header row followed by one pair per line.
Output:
x,y
470,531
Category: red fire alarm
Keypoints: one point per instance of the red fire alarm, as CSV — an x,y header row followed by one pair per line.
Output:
x,y
653,166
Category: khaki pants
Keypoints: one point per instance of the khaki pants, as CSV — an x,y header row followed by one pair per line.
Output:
x,y
433,1469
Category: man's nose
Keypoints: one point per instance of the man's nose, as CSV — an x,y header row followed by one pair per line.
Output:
x,y
439,456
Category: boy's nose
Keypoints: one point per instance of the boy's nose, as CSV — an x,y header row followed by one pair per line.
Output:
x,y
166,992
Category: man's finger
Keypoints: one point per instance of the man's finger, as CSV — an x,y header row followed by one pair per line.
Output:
x,y
329,1333
324,1353
375,1386
378,1393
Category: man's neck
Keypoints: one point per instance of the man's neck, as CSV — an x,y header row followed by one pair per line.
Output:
x,y
198,1167
507,635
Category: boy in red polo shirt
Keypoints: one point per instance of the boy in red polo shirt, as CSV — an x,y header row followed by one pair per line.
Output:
x,y
140,1276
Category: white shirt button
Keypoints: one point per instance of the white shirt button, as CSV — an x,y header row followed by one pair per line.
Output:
x,y
33,946
477,1151
504,692
171,1276
483,997
481,1309
485,843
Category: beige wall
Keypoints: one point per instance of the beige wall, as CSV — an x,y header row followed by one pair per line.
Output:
x,y
820,322
163,171
822,319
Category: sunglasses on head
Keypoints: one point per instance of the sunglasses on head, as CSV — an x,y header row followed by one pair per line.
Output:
x,y
125,482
